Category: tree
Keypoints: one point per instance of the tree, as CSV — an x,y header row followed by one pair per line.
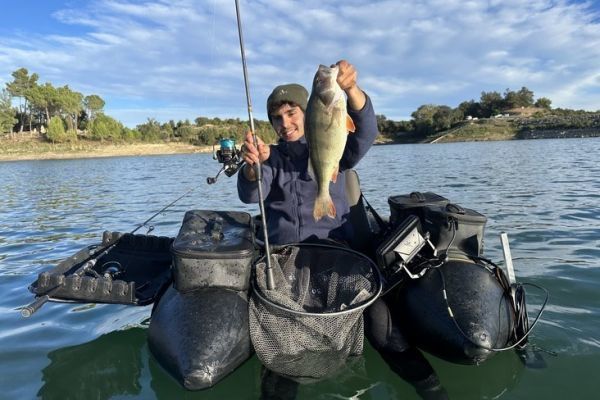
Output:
x,y
56,131
470,108
543,102
201,121
71,104
104,127
7,113
166,131
423,119
443,118
45,99
93,105
381,123
20,87
525,97
131,134
491,103
511,99
187,133
149,131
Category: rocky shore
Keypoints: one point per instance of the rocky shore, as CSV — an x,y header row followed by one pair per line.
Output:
x,y
559,133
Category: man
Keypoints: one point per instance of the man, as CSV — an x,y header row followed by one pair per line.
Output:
x,y
289,200
288,189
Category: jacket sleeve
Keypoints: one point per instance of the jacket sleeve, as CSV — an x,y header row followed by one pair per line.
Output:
x,y
248,190
359,142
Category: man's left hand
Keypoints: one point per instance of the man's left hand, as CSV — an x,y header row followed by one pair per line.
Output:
x,y
347,77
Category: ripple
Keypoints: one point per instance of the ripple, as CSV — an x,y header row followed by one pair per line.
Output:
x,y
546,200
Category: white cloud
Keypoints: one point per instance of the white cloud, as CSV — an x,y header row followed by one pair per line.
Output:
x,y
184,55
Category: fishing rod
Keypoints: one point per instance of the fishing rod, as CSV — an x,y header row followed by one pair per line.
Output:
x,y
91,261
261,203
190,190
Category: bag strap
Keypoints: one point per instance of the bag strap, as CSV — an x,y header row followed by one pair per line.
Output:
x,y
382,224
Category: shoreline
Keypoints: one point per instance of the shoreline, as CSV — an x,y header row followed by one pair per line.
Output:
x,y
102,151
82,150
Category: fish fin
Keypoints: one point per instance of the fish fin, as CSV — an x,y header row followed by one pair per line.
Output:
x,y
324,206
335,173
350,124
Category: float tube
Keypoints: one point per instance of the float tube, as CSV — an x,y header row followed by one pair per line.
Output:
x,y
456,307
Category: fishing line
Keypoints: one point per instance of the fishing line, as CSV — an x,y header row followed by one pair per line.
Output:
x,y
151,228
261,202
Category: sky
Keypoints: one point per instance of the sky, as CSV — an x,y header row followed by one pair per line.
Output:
x,y
180,59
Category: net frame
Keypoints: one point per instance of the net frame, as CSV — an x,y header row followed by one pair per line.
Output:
x,y
352,308
307,346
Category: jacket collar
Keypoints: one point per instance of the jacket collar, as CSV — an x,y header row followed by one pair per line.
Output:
x,y
295,150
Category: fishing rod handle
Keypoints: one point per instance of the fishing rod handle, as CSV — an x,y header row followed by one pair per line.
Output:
x,y
28,311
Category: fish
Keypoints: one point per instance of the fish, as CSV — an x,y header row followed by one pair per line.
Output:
x,y
326,127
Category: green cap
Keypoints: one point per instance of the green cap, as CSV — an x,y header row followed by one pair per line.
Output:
x,y
288,93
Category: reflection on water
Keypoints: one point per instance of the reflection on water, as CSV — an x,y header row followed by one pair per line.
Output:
x,y
119,364
545,194
106,367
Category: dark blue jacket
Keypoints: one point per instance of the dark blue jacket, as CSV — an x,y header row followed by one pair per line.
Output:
x,y
290,192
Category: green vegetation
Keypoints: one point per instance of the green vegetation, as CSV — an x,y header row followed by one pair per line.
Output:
x,y
64,116
7,114
482,130
494,117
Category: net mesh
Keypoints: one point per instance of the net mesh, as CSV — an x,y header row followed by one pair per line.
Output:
x,y
312,321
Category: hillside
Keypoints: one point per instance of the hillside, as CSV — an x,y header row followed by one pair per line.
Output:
x,y
526,123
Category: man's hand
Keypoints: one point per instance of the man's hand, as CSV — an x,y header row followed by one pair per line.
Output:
x,y
347,77
252,155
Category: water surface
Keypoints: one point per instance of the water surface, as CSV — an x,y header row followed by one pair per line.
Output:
x,y
544,193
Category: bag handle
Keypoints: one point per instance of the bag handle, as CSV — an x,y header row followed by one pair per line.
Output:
x,y
455,208
418,196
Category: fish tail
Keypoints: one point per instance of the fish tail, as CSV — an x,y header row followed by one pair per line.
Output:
x,y
324,206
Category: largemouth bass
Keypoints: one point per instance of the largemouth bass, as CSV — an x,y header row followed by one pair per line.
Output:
x,y
326,126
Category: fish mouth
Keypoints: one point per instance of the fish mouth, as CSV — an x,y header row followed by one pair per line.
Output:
x,y
325,76
325,83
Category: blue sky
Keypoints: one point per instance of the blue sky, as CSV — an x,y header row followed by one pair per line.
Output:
x,y
178,59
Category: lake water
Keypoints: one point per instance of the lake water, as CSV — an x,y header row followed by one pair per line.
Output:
x,y
545,194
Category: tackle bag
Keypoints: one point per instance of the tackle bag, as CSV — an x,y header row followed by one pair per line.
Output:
x,y
455,229
199,328
401,206
213,249
452,228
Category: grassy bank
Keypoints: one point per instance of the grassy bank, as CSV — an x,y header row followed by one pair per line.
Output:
x,y
36,148
528,123
481,130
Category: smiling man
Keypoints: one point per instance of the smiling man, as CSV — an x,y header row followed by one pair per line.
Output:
x,y
288,189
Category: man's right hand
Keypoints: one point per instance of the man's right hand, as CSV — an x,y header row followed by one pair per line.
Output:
x,y
252,155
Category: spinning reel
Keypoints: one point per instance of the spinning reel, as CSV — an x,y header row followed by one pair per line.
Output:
x,y
229,156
